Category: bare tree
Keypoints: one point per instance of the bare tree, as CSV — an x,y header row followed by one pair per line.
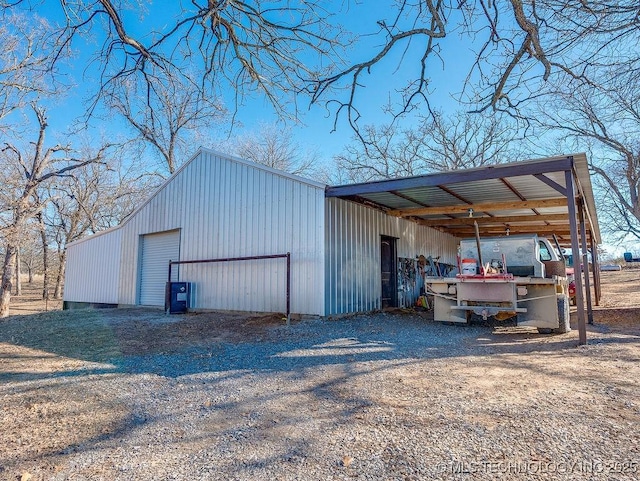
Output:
x,y
438,143
386,152
163,114
273,145
25,60
251,46
604,119
96,197
282,48
27,72
31,254
18,272
518,46
24,173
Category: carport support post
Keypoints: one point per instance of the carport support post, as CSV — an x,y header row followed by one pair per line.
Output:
x,y
585,261
575,253
596,270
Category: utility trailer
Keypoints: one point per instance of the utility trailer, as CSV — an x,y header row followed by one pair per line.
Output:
x,y
525,278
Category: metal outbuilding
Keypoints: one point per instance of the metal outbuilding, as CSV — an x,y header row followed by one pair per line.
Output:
x,y
346,244
212,207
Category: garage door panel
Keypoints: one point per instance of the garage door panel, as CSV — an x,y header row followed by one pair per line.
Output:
x,y
156,252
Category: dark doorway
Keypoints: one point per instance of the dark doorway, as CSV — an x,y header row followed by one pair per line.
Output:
x,y
389,271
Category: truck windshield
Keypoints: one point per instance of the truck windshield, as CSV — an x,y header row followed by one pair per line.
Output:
x,y
545,255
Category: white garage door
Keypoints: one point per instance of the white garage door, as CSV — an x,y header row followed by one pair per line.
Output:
x,y
156,252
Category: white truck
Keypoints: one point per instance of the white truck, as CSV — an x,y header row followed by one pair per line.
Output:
x,y
521,276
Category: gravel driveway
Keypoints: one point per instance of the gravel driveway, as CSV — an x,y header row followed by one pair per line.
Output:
x,y
144,396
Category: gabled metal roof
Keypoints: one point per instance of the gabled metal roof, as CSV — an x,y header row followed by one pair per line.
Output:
x,y
513,198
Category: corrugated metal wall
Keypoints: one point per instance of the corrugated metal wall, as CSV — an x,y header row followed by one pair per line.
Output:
x,y
352,237
232,208
93,269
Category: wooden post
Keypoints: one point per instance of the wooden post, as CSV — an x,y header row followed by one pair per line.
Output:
x,y
575,252
585,261
596,270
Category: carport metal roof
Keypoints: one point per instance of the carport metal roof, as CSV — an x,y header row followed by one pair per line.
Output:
x,y
513,198
542,196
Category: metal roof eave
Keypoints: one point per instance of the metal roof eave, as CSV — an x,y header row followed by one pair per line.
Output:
x,y
497,171
576,163
584,185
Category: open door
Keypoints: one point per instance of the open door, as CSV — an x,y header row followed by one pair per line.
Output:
x,y
389,271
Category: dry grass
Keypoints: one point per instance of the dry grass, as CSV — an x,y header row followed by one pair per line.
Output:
x,y
76,404
31,302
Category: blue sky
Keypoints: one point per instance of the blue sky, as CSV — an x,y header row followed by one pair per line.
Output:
x,y
316,124
446,81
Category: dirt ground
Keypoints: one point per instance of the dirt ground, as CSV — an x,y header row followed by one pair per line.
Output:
x,y
76,390
619,307
31,302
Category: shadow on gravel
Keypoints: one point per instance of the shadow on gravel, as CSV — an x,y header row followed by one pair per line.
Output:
x,y
147,341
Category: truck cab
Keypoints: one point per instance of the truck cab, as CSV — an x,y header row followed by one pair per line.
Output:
x,y
547,252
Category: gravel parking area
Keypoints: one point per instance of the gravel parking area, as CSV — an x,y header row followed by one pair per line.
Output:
x,y
133,394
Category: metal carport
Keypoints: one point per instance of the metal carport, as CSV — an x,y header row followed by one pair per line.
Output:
x,y
543,196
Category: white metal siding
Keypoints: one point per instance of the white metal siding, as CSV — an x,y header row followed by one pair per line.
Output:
x,y
231,208
156,251
93,269
352,279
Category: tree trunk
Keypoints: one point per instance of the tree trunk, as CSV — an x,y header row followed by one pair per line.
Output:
x,y
30,271
60,279
18,273
8,272
45,257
